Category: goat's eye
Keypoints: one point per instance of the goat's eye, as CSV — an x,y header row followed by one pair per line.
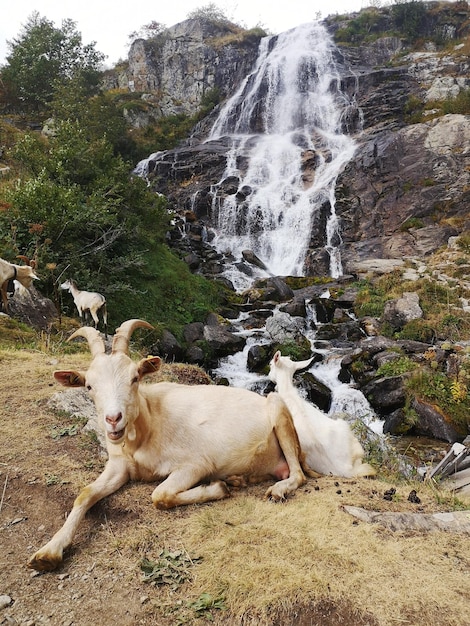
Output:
x,y
135,380
88,387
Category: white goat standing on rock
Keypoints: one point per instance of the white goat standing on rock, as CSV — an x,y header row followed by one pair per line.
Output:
x,y
88,301
329,445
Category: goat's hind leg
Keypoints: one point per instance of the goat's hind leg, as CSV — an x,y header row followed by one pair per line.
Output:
x,y
178,490
289,443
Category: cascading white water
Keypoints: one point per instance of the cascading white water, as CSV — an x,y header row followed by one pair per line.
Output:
x,y
287,111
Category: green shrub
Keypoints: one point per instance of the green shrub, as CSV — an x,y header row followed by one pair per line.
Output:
x,y
396,367
417,330
412,222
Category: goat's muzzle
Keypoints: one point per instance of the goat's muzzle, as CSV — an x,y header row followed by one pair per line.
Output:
x,y
113,421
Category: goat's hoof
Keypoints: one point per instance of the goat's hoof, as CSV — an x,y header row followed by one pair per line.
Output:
x,y
276,495
44,563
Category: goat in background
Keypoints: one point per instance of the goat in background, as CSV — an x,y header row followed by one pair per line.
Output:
x,y
88,301
22,274
329,445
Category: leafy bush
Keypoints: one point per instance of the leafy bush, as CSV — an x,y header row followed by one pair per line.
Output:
x,y
367,26
81,215
396,367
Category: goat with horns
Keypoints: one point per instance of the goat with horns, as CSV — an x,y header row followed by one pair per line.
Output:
x,y
195,439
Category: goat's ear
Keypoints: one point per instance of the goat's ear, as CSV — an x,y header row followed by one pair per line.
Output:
x,y
149,365
69,378
277,356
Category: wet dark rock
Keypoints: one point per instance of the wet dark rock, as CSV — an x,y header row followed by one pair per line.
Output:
x,y
316,391
432,422
250,257
396,423
32,308
385,394
295,308
168,347
258,358
324,308
345,331
222,342
277,290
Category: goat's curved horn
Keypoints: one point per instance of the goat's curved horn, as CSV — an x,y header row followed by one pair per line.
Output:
x,y
124,332
24,258
95,341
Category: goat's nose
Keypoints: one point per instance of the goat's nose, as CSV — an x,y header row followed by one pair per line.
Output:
x,y
113,419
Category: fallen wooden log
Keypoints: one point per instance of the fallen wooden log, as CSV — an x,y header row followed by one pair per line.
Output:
x,y
456,521
460,482
458,458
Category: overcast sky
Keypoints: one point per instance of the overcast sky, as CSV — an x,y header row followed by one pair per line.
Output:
x,y
110,22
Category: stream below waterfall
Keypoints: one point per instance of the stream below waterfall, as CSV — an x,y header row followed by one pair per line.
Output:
x,y
345,398
346,401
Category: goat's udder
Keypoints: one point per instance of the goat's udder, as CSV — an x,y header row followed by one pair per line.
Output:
x,y
282,470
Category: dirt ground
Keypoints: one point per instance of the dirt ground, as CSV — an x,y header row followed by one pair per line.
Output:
x,y
252,562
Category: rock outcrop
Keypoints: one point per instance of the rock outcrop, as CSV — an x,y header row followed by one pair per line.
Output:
x,y
175,69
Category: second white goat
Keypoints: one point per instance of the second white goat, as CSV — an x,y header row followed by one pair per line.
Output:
x,y
88,301
329,445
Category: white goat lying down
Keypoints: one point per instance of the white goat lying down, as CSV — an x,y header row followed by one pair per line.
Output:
x,y
329,445
23,274
194,439
85,301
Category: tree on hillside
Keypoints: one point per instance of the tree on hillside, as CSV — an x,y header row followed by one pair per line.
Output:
x,y
209,12
42,58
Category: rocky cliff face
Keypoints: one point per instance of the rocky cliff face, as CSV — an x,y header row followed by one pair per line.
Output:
x,y
406,190
177,68
404,193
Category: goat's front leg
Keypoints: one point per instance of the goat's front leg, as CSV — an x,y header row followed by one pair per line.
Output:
x,y
50,556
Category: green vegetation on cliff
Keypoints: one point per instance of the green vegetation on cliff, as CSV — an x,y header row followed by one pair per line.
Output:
x,y
68,198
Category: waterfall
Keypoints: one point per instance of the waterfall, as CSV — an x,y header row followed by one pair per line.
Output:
x,y
287,151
